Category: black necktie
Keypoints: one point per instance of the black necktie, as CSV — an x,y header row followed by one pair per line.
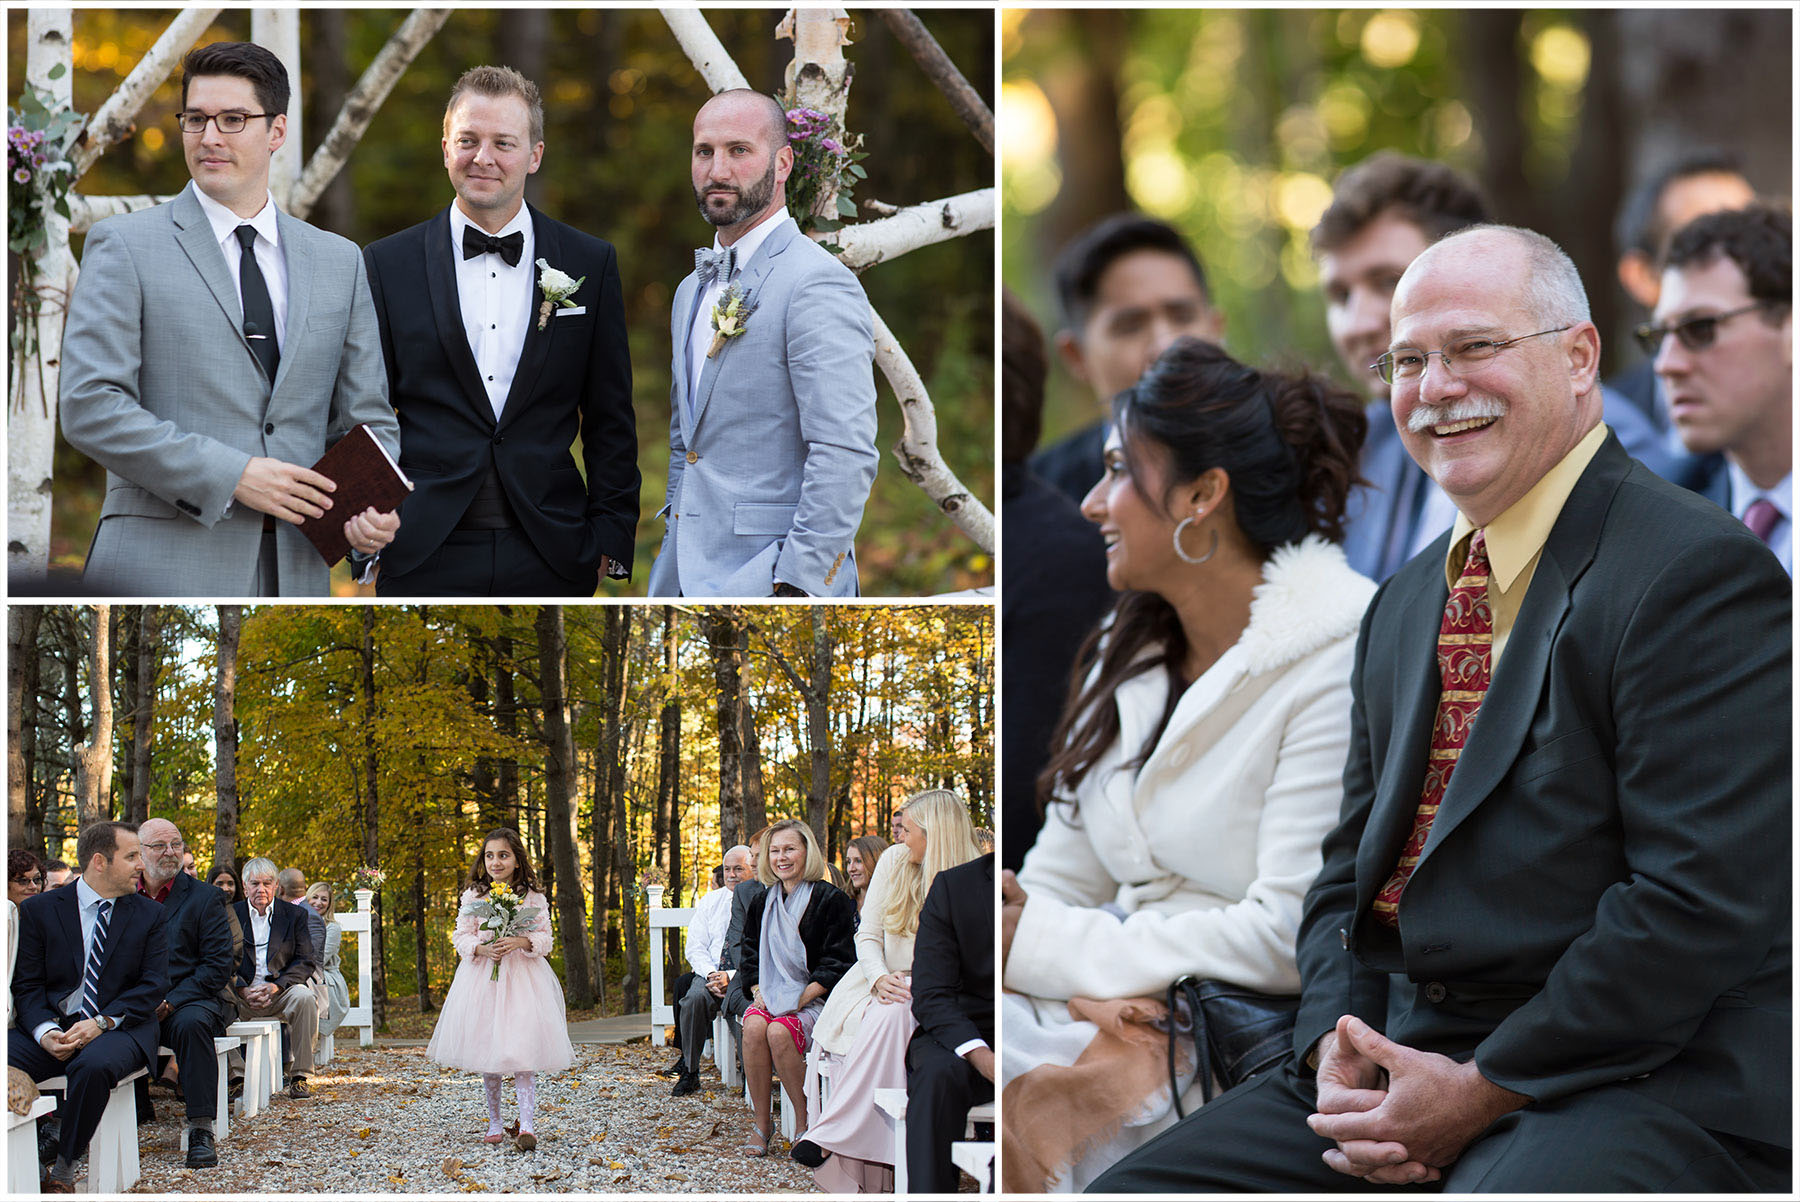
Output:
x,y
477,242
259,310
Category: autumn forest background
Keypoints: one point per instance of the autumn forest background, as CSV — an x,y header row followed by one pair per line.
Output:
x,y
630,745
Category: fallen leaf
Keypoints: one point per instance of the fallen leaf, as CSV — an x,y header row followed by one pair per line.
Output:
x,y
674,1176
452,1165
364,1132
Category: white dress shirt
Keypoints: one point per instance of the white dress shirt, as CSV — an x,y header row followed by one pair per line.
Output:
x,y
706,931
259,933
700,334
87,904
1781,496
269,257
495,301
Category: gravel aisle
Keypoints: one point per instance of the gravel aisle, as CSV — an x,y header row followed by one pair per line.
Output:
x,y
386,1120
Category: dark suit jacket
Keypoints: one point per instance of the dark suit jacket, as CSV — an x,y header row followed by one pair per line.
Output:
x,y
953,956
1073,466
1604,896
827,928
199,939
574,379
746,897
133,979
291,955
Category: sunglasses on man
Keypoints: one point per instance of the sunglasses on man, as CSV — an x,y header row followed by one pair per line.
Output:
x,y
1696,333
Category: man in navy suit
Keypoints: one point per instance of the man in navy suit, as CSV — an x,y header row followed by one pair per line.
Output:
x,y
195,1012
950,1061
275,972
91,971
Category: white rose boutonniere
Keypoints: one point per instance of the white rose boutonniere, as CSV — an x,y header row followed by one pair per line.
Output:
x,y
730,317
557,288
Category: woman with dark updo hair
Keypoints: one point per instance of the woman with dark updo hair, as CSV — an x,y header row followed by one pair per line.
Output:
x,y
1196,767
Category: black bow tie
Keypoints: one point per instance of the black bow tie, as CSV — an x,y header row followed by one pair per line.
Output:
x,y
510,248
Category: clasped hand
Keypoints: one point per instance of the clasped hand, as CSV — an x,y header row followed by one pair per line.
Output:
x,y
893,987
294,494
1399,1116
64,1044
500,947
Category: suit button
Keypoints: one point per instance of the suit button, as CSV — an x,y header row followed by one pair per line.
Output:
x,y
693,458
498,439
1435,992
268,427
1344,937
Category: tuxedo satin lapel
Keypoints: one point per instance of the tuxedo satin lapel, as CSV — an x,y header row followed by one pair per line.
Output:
x,y
195,237
548,244
297,251
1408,741
749,281
446,312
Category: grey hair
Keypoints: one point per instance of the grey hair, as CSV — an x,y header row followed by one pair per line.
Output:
x,y
257,867
1553,290
740,847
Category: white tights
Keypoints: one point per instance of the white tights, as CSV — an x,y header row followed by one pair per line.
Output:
x,y
524,1087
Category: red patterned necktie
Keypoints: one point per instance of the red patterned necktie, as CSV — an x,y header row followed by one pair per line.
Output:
x,y
1761,518
1465,659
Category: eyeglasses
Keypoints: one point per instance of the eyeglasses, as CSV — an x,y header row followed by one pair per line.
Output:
x,y
229,123
1460,357
29,880
1696,333
161,848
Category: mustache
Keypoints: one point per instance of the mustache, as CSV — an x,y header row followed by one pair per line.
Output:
x,y
1425,415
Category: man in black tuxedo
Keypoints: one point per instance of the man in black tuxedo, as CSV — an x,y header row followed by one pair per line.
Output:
x,y
274,974
494,381
92,968
194,1013
950,1061
1549,946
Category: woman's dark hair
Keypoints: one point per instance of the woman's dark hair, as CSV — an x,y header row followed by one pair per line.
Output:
x,y
237,884
1289,445
21,863
524,880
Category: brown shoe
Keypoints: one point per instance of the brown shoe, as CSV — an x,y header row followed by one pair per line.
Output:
x,y
526,1141
55,1185
297,1088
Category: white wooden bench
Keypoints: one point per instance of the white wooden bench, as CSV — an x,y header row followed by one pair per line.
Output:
x,y
21,1146
223,1046
818,1080
262,1062
113,1152
778,1106
892,1105
976,1158
327,1049
725,1053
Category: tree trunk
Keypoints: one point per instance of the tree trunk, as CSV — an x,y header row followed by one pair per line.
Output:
x,y
669,776
481,777
1083,93
559,760
521,39
371,824
600,859
818,723
720,628
146,661
22,657
611,768
225,816
328,59
506,715
756,810
93,760
421,967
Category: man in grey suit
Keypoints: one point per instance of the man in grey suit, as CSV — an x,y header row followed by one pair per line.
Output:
x,y
215,347
772,435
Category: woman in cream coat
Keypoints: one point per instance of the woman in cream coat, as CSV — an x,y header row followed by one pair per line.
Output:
x,y
1199,768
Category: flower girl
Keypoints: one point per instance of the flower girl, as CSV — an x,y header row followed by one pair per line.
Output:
x,y
504,1013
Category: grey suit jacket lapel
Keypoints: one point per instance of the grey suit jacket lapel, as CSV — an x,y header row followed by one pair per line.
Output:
x,y
195,237
749,281
297,251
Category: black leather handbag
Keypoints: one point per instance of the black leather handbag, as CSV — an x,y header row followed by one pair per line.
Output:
x,y
1237,1033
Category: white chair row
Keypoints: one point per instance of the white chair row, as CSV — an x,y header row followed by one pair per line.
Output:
x,y
725,1051
892,1105
262,1063
21,1146
113,1152
976,1158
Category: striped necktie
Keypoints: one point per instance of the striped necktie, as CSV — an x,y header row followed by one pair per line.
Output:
x,y
90,977
1465,659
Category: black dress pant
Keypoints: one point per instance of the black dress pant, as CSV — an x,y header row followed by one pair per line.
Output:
x,y
92,1073
1609,1139
941,1089
189,1032
485,563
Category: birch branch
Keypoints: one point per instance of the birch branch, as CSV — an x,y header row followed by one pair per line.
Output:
x,y
930,56
917,451
113,120
86,211
873,242
703,48
361,105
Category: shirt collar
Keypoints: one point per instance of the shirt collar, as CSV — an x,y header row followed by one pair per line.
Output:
x,y
1515,537
459,220
750,243
1744,493
263,916
224,221
84,893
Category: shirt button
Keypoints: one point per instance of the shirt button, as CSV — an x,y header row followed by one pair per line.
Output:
x,y
1435,992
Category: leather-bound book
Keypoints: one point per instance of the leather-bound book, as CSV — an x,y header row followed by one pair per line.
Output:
x,y
365,475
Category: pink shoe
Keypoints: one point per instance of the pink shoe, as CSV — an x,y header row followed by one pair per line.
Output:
x,y
493,1137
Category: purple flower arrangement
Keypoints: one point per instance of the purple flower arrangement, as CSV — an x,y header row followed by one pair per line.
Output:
x,y
826,161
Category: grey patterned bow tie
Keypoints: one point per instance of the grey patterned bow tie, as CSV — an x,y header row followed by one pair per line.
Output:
x,y
711,266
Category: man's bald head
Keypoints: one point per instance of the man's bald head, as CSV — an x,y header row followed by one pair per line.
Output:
x,y
759,106
160,840
292,883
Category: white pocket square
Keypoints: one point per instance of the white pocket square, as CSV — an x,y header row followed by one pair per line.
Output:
x,y
571,312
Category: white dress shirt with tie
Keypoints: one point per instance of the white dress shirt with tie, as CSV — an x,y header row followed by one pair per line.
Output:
x,y
496,302
269,257
87,903
700,335
1745,494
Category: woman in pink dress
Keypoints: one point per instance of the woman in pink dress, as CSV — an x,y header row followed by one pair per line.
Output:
x,y
512,1021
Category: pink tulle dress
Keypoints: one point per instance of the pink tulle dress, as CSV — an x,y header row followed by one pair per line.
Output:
x,y
516,1024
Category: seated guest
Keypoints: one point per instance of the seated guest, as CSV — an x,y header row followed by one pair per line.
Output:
x,y
193,1013
1550,948
322,899
187,865
24,875
57,874
92,968
862,1033
1727,295
698,1004
859,865
224,878
274,975
950,1061
796,945
292,884
1196,771
685,981
746,896
718,875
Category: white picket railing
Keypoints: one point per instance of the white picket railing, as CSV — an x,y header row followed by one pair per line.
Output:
x,y
362,1008
662,1012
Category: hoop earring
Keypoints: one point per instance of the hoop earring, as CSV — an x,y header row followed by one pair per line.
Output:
x,y
1183,555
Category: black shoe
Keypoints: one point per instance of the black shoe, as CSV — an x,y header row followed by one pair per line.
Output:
x,y
201,1153
236,1090
674,1070
297,1088
689,1083
49,1136
808,1153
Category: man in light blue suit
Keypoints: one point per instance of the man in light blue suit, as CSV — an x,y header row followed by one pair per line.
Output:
x,y
772,434
215,347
